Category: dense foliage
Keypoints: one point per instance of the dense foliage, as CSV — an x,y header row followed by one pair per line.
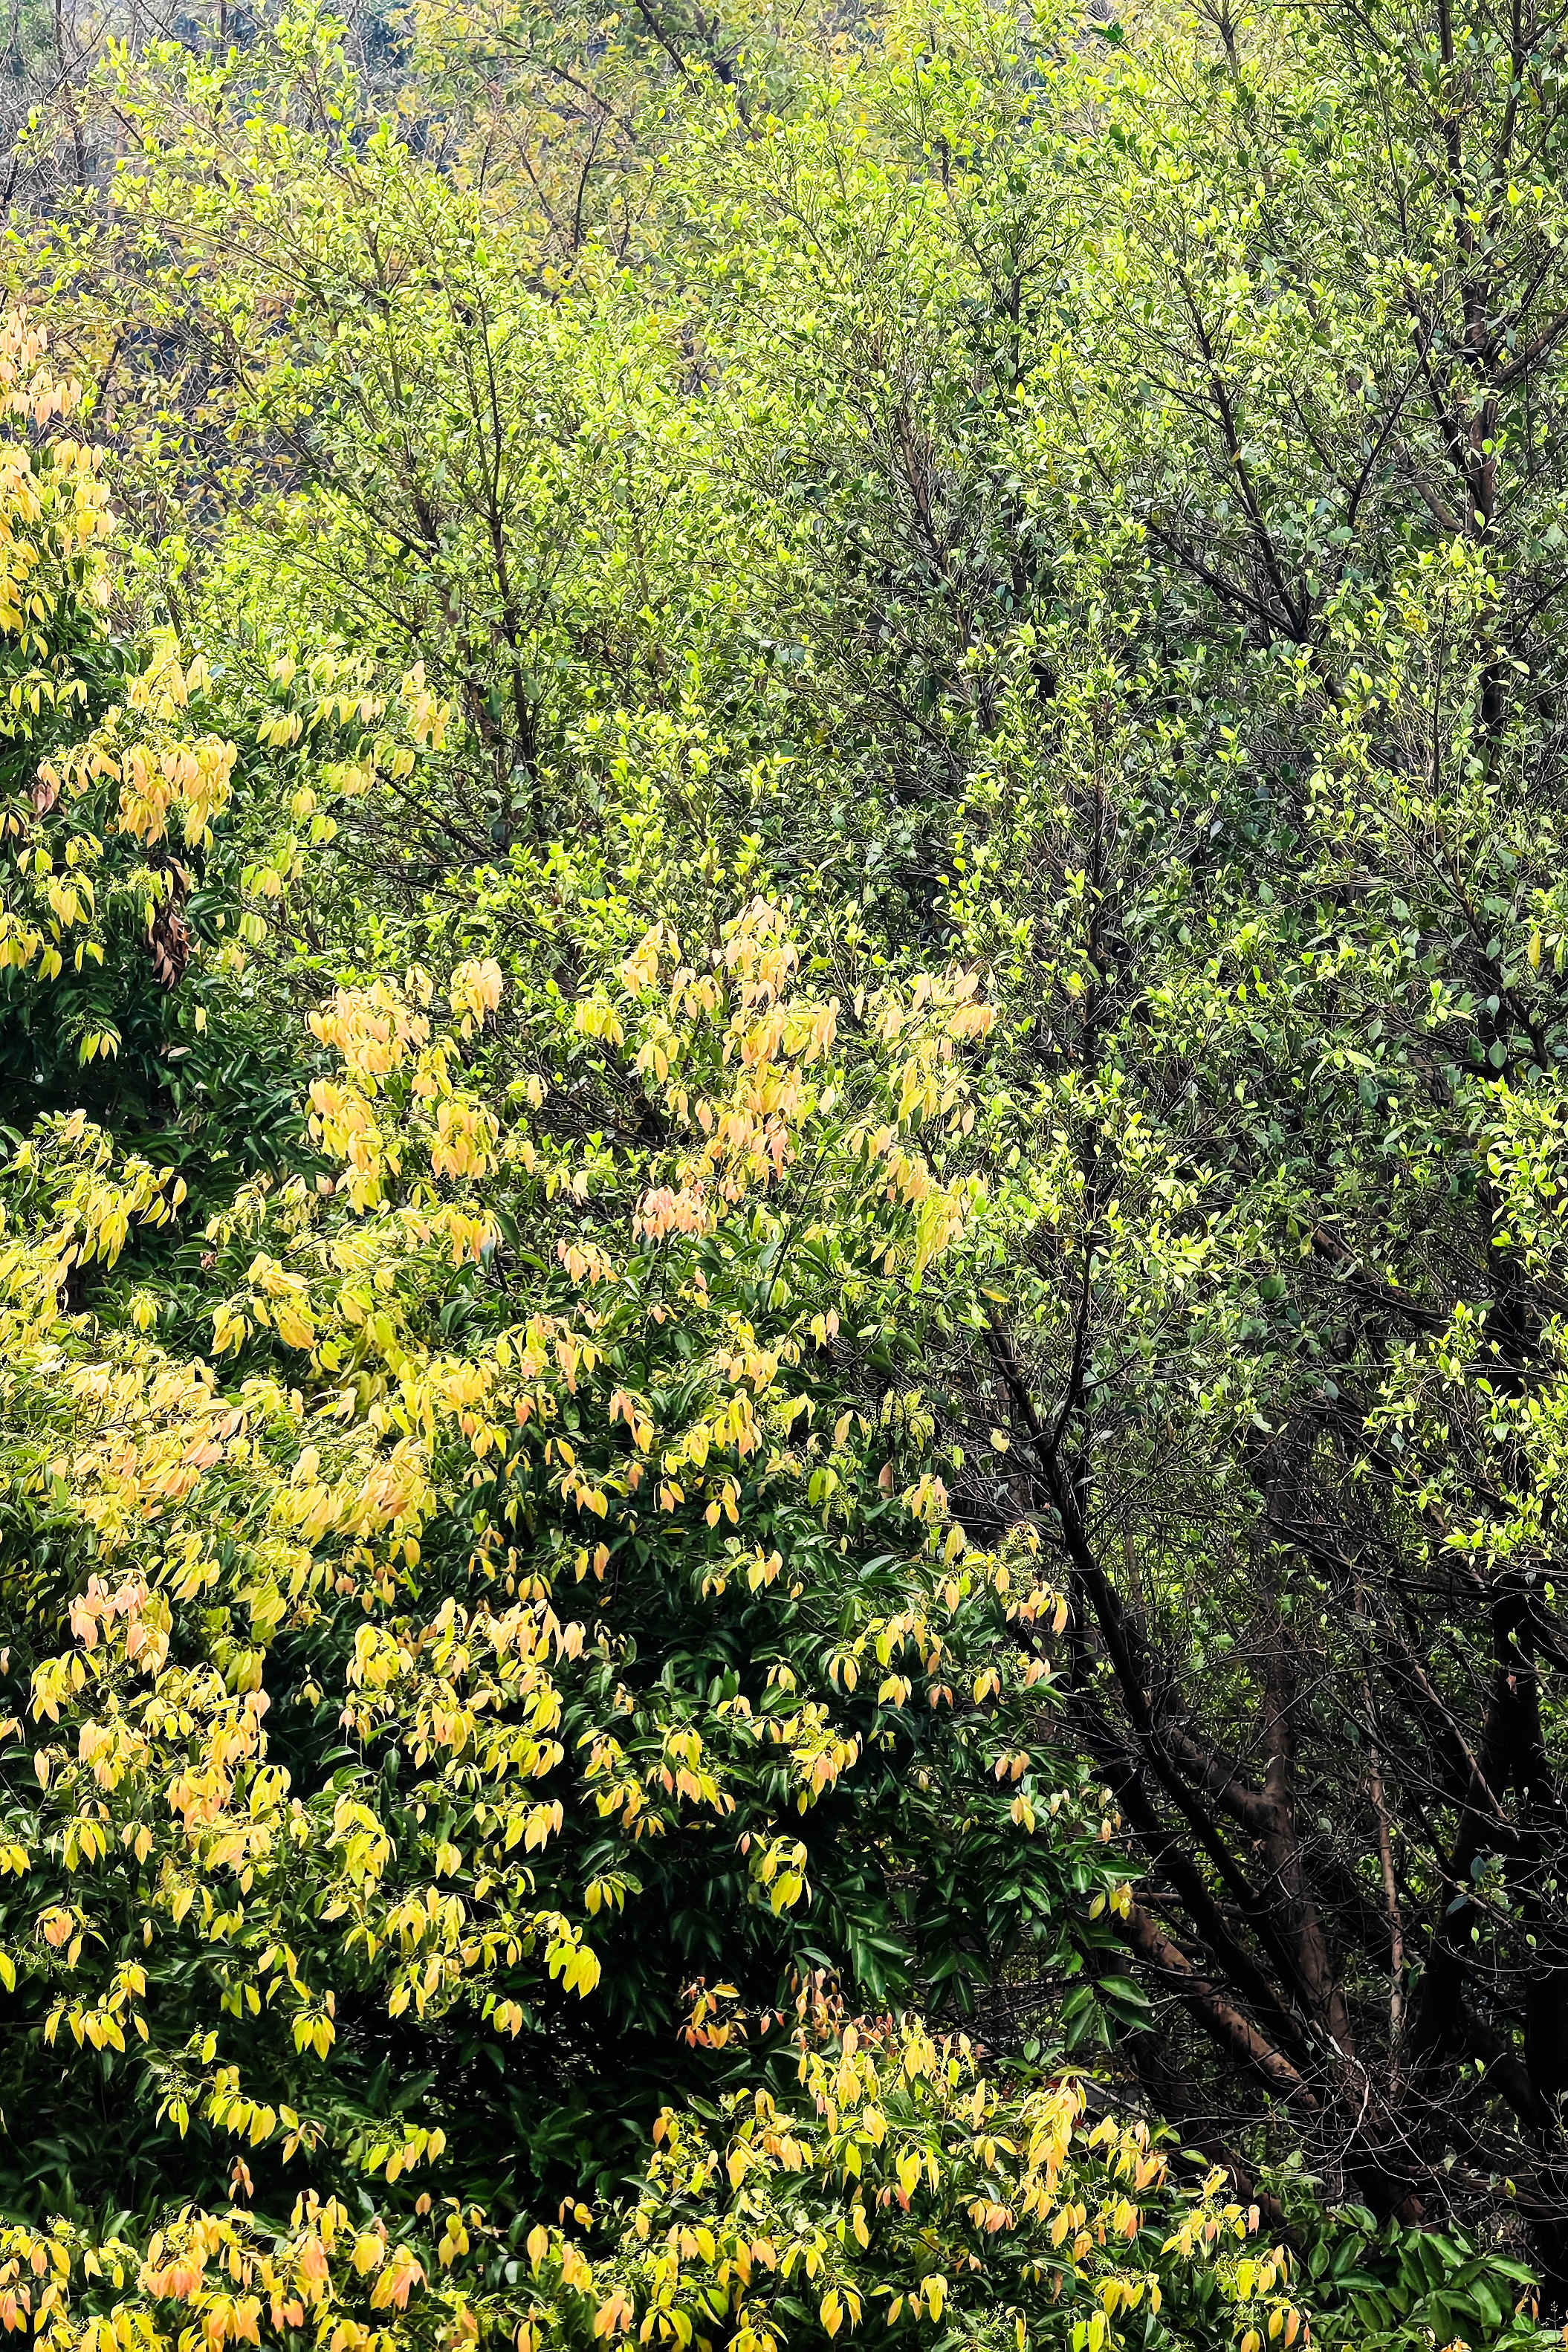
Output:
x,y
783,1281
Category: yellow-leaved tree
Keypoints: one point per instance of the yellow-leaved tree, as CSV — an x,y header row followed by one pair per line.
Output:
x,y
460,1606
110,785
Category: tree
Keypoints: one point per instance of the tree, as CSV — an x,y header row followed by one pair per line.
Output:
x,y
603,1649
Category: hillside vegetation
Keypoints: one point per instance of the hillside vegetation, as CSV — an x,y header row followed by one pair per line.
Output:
x,y
783,1281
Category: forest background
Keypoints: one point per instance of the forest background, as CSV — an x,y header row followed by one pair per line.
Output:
x,y
784,948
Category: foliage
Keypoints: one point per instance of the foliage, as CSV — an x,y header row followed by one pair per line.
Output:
x,y
897,2175
82,835
849,1270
